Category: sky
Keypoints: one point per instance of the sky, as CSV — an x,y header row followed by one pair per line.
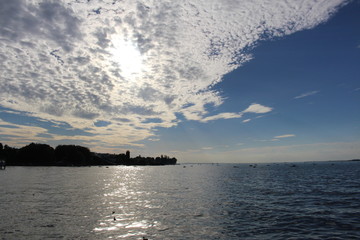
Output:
x,y
201,80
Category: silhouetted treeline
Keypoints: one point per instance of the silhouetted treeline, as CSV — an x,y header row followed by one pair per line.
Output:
x,y
36,154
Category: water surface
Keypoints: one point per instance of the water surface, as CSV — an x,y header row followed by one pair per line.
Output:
x,y
274,201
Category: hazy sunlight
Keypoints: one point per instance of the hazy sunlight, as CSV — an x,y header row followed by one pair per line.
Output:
x,y
127,55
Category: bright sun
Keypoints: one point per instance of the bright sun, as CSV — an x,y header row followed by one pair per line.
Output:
x,y
127,55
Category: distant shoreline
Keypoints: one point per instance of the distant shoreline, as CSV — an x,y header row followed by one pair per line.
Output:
x,y
353,160
36,154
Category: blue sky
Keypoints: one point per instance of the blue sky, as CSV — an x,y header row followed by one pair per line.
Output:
x,y
202,81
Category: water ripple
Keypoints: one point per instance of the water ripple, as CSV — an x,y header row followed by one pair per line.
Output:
x,y
172,202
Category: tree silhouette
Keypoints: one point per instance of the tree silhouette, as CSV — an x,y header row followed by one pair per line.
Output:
x,y
36,154
72,155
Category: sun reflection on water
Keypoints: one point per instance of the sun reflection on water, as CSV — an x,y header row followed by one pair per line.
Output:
x,y
124,207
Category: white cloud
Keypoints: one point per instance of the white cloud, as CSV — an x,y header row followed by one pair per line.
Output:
x,y
306,94
257,108
276,138
17,134
285,136
246,120
253,108
222,116
64,60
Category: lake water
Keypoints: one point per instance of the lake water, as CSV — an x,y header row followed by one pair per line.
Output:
x,y
226,201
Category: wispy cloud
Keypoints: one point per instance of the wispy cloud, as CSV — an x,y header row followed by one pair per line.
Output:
x,y
276,138
91,62
153,139
253,108
307,94
285,136
207,148
222,116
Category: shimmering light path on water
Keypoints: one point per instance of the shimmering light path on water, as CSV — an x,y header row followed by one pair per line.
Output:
x,y
276,201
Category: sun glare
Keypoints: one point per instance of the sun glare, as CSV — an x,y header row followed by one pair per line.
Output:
x,y
127,55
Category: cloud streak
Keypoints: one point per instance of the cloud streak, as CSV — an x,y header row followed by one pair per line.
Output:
x,y
307,94
253,108
285,136
69,61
